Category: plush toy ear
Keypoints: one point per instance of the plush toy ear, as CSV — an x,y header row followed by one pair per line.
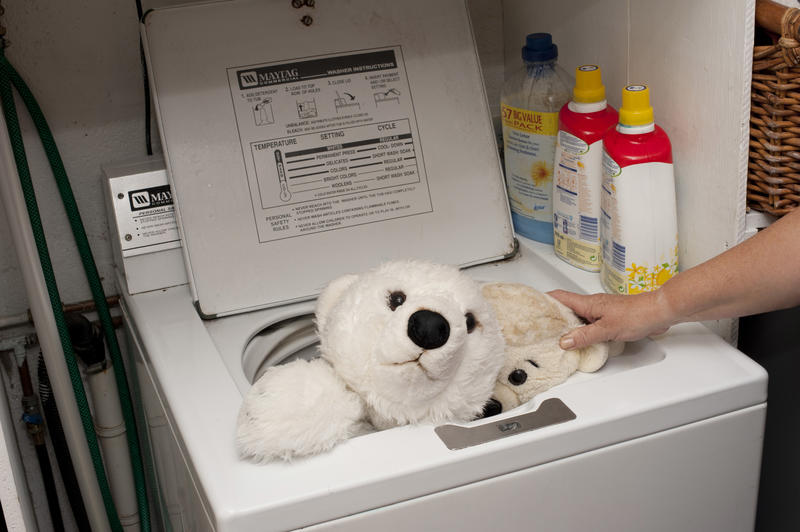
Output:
x,y
593,357
297,409
330,296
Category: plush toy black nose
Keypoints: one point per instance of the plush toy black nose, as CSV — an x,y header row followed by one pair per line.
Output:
x,y
428,330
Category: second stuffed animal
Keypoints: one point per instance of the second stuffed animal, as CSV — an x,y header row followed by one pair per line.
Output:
x,y
532,324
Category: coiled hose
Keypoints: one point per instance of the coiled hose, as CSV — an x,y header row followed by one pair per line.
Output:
x,y
9,77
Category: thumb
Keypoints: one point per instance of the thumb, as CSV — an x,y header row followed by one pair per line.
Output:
x,y
583,337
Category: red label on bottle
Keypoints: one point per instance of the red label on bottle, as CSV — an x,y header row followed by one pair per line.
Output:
x,y
589,127
650,147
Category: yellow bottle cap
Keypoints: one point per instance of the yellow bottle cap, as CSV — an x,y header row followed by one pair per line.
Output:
x,y
588,85
635,110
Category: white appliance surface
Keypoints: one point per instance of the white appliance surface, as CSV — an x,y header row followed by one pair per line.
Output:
x,y
683,377
299,153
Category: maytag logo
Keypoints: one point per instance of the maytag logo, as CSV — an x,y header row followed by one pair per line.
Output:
x,y
267,76
148,198
248,79
140,200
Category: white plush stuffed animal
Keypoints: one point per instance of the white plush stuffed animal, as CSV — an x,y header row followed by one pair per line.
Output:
x,y
408,342
411,342
532,324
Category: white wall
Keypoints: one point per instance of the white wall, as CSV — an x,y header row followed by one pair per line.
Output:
x,y
81,61
487,24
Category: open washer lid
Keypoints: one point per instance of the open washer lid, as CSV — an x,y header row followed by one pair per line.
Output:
x,y
301,152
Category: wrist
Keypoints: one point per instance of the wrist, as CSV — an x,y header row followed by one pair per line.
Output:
x,y
666,305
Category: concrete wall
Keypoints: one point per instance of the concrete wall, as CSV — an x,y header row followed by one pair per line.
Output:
x,y
81,61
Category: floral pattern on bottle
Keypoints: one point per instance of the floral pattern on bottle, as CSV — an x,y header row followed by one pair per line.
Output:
x,y
541,173
645,278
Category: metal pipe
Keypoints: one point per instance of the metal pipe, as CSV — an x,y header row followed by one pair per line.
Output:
x,y
38,298
86,306
16,320
14,493
25,318
34,423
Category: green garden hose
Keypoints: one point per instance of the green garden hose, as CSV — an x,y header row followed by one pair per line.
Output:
x,y
9,77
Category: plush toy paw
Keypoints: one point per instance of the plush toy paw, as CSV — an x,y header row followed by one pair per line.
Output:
x,y
297,409
532,324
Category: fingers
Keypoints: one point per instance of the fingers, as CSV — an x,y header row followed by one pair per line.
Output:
x,y
578,303
583,337
613,317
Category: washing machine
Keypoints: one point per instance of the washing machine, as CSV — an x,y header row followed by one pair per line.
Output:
x,y
301,144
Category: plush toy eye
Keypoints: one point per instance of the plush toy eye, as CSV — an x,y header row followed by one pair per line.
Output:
x,y
517,377
396,299
470,322
535,365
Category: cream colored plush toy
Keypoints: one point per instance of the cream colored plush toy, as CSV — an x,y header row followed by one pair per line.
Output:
x,y
532,324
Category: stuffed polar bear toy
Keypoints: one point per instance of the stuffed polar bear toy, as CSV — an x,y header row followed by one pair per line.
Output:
x,y
408,342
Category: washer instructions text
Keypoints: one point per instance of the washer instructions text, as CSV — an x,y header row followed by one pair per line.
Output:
x,y
329,142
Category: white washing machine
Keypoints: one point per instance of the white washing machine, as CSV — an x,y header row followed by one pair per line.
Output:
x,y
299,152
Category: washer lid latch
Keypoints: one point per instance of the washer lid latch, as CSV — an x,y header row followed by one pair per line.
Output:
x,y
551,412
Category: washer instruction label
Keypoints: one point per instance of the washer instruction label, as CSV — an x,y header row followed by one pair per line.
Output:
x,y
329,142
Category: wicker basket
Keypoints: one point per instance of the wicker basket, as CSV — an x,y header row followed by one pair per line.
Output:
x,y
773,180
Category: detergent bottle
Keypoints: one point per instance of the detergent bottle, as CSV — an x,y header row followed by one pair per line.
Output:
x,y
639,227
578,179
530,102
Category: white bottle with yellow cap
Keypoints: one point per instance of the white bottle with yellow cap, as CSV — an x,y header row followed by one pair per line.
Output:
x,y
578,176
639,227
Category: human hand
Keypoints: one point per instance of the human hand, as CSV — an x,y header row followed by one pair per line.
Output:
x,y
614,317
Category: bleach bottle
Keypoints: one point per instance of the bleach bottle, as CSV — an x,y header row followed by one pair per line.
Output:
x,y
639,227
582,123
530,102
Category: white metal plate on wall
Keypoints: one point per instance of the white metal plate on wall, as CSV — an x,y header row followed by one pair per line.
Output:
x,y
298,153
141,217
143,211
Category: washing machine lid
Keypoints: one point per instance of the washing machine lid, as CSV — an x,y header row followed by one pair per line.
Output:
x,y
300,149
